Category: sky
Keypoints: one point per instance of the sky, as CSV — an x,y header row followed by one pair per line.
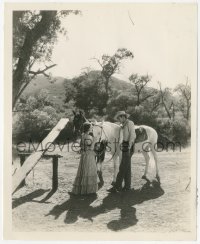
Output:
x,y
163,40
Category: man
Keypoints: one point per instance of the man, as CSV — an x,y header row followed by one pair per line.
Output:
x,y
128,132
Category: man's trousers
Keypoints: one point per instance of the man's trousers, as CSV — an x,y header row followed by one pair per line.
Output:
x,y
124,168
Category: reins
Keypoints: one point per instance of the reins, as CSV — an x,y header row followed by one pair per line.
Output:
x,y
103,131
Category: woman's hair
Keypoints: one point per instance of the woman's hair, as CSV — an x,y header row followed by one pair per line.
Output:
x,y
86,127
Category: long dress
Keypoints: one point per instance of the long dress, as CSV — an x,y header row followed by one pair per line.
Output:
x,y
86,178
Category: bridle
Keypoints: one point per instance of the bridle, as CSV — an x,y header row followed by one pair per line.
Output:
x,y
101,134
102,131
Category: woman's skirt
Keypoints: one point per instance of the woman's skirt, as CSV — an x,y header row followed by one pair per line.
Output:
x,y
86,178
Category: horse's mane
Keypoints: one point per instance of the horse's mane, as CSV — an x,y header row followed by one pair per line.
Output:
x,y
108,122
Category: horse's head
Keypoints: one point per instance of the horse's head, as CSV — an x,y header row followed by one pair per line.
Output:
x,y
98,131
78,121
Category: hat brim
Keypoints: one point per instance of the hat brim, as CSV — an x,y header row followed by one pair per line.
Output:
x,y
117,116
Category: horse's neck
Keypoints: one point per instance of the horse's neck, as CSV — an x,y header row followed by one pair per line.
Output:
x,y
111,130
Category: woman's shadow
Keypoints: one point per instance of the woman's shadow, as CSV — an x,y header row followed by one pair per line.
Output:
x,y
76,206
80,206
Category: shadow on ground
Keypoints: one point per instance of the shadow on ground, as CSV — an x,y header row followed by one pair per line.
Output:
x,y
28,198
80,206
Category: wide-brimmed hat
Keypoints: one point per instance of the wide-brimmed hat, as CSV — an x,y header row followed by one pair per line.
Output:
x,y
119,113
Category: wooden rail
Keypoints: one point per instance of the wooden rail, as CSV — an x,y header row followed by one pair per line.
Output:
x,y
54,157
34,158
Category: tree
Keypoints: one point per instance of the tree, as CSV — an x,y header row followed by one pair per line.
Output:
x,y
111,64
154,101
88,92
184,90
120,101
167,101
140,82
39,114
34,35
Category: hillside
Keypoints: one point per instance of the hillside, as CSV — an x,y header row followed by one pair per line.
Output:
x,y
57,90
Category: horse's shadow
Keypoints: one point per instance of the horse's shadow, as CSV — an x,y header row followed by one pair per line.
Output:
x,y
80,207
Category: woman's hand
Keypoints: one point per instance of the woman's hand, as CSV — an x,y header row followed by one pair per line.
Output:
x,y
95,139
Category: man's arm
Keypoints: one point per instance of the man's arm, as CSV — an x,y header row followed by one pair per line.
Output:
x,y
132,133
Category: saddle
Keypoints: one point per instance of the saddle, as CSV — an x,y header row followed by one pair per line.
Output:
x,y
141,134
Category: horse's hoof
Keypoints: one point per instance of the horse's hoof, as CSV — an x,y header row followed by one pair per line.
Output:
x,y
155,184
113,183
144,177
158,178
146,185
100,185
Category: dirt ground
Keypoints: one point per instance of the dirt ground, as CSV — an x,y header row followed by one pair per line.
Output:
x,y
155,209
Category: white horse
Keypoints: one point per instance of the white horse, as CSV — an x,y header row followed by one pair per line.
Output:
x,y
112,134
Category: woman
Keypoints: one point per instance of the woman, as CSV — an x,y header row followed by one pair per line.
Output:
x,y
86,178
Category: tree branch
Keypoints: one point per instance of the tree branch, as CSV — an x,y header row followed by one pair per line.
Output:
x,y
98,61
130,18
145,98
34,73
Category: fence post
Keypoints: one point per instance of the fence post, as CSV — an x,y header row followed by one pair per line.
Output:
x,y
55,173
22,159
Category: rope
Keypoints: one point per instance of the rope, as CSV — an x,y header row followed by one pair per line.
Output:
x,y
102,130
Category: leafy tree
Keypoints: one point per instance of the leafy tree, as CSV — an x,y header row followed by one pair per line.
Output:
x,y
111,64
120,101
88,93
154,102
34,35
184,91
38,115
167,101
140,82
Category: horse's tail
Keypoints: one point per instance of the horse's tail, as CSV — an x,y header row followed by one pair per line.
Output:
x,y
153,148
152,164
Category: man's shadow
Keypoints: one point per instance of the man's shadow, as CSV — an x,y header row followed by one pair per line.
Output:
x,y
80,206
125,202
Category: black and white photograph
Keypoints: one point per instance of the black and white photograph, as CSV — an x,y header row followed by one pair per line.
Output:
x,y
101,118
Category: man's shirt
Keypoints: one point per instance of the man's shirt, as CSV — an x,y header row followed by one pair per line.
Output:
x,y
128,129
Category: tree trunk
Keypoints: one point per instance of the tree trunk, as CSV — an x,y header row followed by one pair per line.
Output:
x,y
107,86
31,39
188,110
138,99
166,109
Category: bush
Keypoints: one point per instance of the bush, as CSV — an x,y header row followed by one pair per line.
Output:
x,y
38,118
35,125
181,131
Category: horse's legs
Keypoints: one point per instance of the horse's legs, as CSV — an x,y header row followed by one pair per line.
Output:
x,y
156,162
99,173
116,160
147,158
